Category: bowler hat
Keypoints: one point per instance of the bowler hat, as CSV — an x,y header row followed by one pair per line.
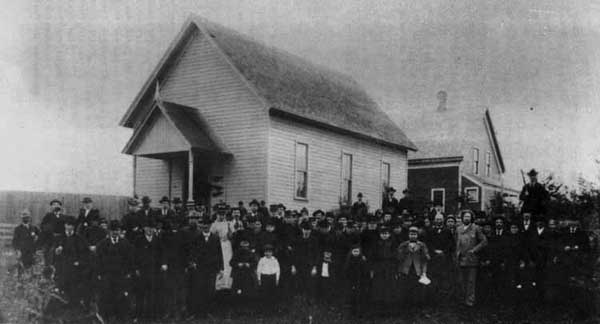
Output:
x,y
359,195
317,212
146,200
391,189
86,200
254,202
56,201
532,173
164,199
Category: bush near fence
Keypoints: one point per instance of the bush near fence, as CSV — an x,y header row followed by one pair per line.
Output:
x,y
38,203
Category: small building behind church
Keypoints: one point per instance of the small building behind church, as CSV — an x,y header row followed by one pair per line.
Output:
x,y
224,113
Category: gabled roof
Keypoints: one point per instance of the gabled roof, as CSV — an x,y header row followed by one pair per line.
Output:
x,y
446,133
190,124
288,83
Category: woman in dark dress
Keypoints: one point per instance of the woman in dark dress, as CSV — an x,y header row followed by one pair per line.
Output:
x,y
383,272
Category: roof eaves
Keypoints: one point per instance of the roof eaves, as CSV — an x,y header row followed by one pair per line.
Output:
x,y
488,119
273,111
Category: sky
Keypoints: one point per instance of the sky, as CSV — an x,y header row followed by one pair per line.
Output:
x,y
70,69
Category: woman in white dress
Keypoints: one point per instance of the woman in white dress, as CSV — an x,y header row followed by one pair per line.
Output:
x,y
224,230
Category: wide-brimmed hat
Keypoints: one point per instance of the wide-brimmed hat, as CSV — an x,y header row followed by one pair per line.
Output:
x,y
532,173
86,200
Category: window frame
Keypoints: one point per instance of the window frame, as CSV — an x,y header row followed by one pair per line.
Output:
x,y
385,163
344,180
475,160
443,190
467,196
296,170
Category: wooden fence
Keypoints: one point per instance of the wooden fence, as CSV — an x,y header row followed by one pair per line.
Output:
x,y
38,203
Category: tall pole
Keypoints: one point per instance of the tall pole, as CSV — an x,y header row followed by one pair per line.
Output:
x,y
190,200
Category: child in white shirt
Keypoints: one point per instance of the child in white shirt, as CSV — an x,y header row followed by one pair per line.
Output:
x,y
268,273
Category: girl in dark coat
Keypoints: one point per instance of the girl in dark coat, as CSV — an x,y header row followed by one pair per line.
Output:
x,y
243,270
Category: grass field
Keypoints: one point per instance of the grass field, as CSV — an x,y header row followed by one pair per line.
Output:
x,y
21,302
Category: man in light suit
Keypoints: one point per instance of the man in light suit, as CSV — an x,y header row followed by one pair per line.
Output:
x,y
469,241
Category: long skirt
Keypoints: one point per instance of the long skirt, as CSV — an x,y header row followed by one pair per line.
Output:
x,y
224,281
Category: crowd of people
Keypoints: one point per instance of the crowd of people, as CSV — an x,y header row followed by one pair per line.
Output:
x,y
171,261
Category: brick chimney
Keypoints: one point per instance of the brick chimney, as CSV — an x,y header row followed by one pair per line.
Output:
x,y
442,96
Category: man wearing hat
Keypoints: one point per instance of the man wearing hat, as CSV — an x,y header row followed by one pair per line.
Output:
x,y
130,222
146,212
149,265
179,210
205,262
406,202
53,226
359,208
71,259
253,213
389,201
25,239
304,258
534,196
165,211
87,214
114,272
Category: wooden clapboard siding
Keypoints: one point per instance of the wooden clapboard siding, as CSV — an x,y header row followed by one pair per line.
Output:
x,y
324,166
159,136
152,178
202,78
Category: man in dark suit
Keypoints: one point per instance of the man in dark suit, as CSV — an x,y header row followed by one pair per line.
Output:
x,y
359,208
440,244
540,245
406,202
205,261
389,202
131,222
25,239
149,265
53,226
498,248
87,214
534,196
71,259
165,211
304,258
114,270
146,213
